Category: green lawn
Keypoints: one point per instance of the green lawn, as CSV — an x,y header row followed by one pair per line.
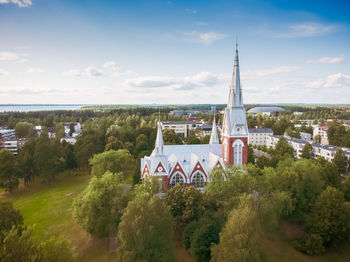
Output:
x,y
49,209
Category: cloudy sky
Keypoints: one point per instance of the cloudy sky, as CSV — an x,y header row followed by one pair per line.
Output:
x,y
123,52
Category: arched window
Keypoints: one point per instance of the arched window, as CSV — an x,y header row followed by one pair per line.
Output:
x,y
238,148
177,179
198,180
225,149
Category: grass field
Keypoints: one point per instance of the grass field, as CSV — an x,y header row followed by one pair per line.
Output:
x,y
49,208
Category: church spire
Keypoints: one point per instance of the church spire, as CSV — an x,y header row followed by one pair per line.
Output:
x,y
214,139
159,140
235,97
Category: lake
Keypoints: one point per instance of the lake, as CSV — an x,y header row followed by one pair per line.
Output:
x,y
28,108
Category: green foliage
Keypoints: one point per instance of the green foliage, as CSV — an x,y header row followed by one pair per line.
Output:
x,y
345,186
171,138
24,130
175,201
188,232
205,235
145,231
69,157
310,244
330,217
340,161
307,151
194,204
56,250
9,217
329,173
113,161
26,161
241,236
18,246
9,175
100,207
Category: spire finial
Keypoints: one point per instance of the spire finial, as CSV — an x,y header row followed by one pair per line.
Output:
x,y
236,43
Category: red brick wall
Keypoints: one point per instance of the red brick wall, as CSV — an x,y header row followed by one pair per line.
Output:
x,y
230,150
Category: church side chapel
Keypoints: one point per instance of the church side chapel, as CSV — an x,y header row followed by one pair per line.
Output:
x,y
191,164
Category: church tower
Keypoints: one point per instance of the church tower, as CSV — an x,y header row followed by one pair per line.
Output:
x,y
235,128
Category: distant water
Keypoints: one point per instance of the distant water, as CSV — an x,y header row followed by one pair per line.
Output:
x,y
28,108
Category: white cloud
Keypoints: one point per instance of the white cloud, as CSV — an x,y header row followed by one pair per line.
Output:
x,y
204,38
200,23
269,71
327,60
93,71
73,72
191,11
111,65
203,79
3,72
340,81
34,70
8,56
20,3
307,30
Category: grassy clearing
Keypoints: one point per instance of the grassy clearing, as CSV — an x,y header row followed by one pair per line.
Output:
x,y
49,208
277,248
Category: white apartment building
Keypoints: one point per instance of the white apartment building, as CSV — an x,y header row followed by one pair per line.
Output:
x,y
76,125
305,136
322,132
7,133
319,150
258,136
12,145
182,128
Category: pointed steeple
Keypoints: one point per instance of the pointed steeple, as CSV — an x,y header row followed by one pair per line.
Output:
x,y
235,97
158,149
214,139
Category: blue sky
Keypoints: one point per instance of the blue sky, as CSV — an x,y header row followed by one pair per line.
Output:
x,y
113,52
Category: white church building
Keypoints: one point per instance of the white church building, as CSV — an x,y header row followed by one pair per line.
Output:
x,y
191,164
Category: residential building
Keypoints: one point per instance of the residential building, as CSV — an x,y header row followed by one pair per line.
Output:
x,y
7,133
258,136
182,128
191,164
305,136
70,140
321,131
76,126
12,144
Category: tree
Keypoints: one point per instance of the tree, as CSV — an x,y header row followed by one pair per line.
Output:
x,y
69,158
330,217
194,206
145,231
9,175
26,161
100,207
240,237
71,129
346,188
113,161
24,130
113,143
206,234
18,246
9,217
176,203
251,157
340,161
307,151
56,250
171,138
283,149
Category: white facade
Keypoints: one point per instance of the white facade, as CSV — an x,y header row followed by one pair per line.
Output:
x,y
258,136
322,132
77,127
182,128
305,136
7,133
